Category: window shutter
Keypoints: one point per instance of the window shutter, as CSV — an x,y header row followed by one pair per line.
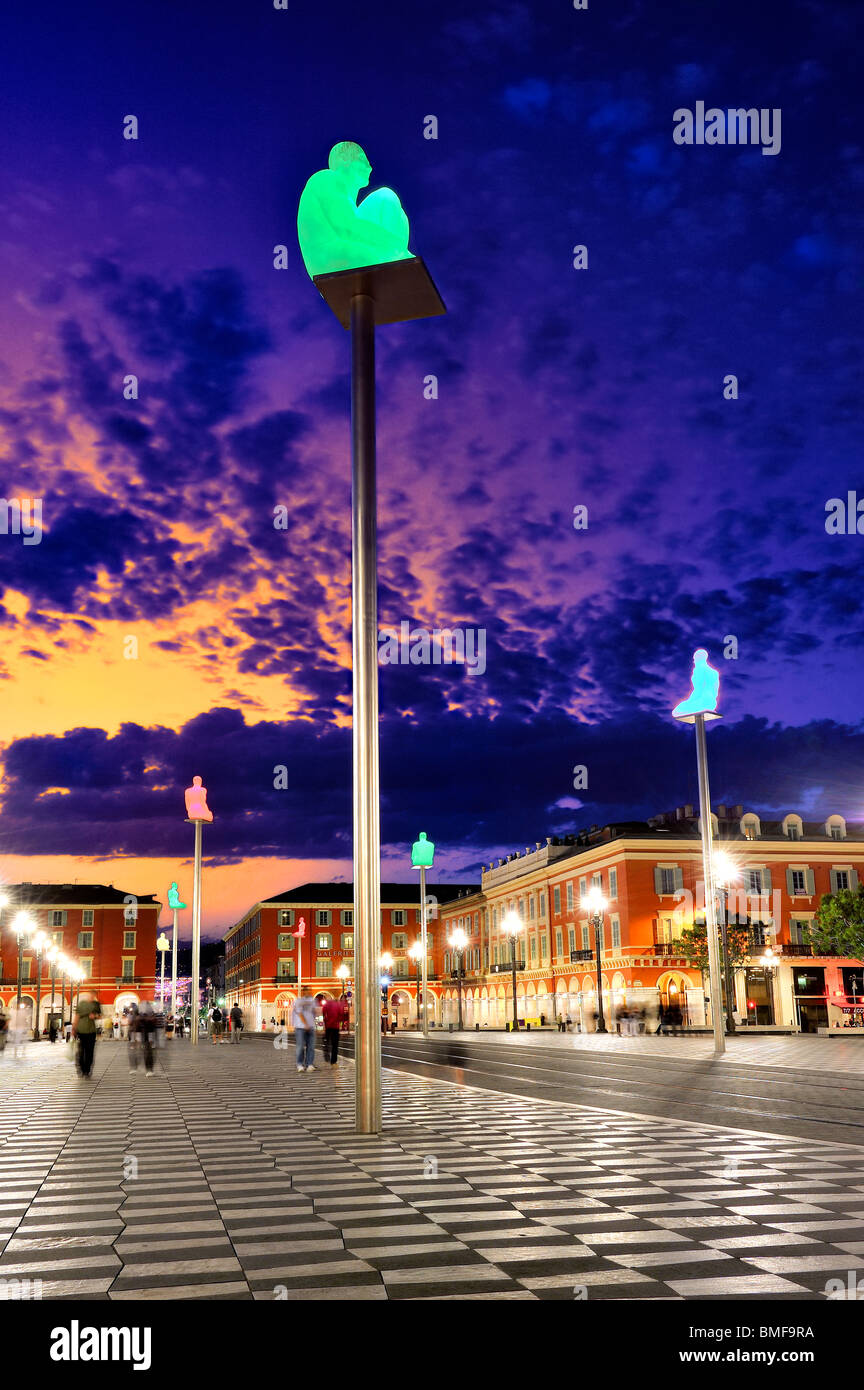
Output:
x,y
790,883
679,879
853,879
811,882
833,880
765,875
658,881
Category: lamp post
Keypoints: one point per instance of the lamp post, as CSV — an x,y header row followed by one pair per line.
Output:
x,y
162,945
343,974
38,943
51,956
597,905
726,872
176,906
458,941
197,811
512,925
422,856
23,925
417,954
385,980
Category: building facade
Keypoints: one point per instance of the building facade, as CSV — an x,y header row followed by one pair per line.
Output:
x,y
111,935
304,936
651,875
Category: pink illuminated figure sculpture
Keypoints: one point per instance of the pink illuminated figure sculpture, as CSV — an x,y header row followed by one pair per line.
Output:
x,y
196,801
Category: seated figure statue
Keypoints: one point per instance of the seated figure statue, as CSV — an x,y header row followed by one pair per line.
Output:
x,y
705,687
336,234
196,801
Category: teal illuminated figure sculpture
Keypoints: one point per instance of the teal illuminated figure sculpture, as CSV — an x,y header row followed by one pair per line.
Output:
x,y
705,688
174,898
422,852
336,234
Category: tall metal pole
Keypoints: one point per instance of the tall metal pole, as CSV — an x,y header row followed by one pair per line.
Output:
x,y
425,960
196,937
364,598
710,900
20,969
173,968
459,955
513,963
601,1020
162,981
727,964
37,1031
53,982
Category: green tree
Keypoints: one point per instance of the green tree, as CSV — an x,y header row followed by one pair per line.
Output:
x,y
838,928
693,946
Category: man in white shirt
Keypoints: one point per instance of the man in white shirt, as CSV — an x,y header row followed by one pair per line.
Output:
x,y
303,1018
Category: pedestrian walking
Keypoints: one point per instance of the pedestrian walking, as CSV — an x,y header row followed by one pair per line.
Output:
x,y
18,1028
148,1033
84,1028
303,1018
333,1011
133,1037
216,1024
179,1026
236,1023
4,1027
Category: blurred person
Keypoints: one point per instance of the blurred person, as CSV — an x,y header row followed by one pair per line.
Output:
x,y
236,1017
333,1011
4,1026
133,1036
52,1029
87,1016
179,1026
148,1031
303,1017
18,1028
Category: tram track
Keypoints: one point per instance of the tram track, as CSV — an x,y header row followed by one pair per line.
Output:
x,y
780,1100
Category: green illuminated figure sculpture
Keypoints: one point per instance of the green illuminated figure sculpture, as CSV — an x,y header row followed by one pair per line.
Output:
x,y
336,234
422,852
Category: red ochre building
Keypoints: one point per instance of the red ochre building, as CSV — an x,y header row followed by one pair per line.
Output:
x,y
785,868
110,934
261,950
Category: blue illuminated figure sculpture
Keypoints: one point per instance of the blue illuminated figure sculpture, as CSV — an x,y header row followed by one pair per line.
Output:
x,y
336,233
174,897
705,688
422,852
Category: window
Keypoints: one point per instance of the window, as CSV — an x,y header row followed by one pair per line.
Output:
x,y
322,917
323,941
799,882
348,962
286,918
322,969
840,880
398,917
799,931
57,938
559,943
616,931
543,903
597,881
586,939
613,883
87,917
836,832
128,940
86,964
285,941
346,917
751,830
571,938
400,967
533,948
569,897
25,968
399,941
285,970
556,897
531,908
128,971
347,941
446,961
85,940
130,914
544,946
583,889
668,880
58,919
793,831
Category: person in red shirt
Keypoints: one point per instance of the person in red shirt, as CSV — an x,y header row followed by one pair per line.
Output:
x,y
333,1010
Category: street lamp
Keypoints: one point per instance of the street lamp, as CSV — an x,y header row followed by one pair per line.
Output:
x,y
163,945
726,871
512,925
458,941
52,955
597,905
38,942
23,925
385,980
343,974
417,953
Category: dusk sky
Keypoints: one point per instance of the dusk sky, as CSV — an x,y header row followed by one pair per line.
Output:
x,y
558,387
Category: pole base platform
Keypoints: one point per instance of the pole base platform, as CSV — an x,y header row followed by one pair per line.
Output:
x,y
401,291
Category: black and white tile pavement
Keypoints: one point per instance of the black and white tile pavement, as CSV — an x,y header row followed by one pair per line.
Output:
x,y
226,1175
